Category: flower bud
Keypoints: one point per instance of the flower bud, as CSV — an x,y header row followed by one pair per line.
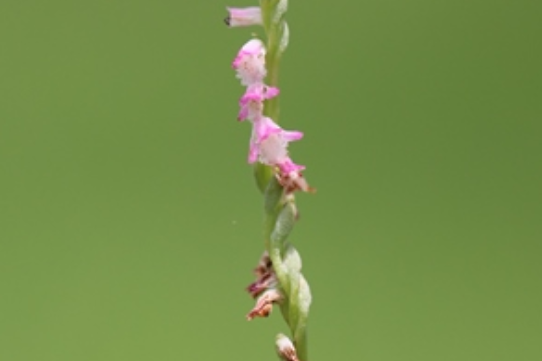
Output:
x,y
285,348
244,16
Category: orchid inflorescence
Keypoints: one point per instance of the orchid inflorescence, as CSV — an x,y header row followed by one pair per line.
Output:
x,y
278,275
269,142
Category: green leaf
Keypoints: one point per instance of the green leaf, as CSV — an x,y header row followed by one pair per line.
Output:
x,y
272,199
284,225
263,175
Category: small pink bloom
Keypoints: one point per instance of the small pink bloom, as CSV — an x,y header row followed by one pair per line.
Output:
x,y
251,102
273,142
244,16
269,142
269,145
250,63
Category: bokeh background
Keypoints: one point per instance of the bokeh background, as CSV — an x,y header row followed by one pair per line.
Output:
x,y
130,222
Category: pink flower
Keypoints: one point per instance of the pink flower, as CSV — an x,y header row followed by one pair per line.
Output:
x,y
251,102
244,16
269,143
250,63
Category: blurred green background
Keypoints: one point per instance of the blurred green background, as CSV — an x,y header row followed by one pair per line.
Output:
x,y
130,222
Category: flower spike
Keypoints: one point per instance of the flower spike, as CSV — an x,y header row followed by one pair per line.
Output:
x,y
278,274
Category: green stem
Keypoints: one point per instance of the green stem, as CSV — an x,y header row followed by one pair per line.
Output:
x,y
300,343
274,32
280,217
